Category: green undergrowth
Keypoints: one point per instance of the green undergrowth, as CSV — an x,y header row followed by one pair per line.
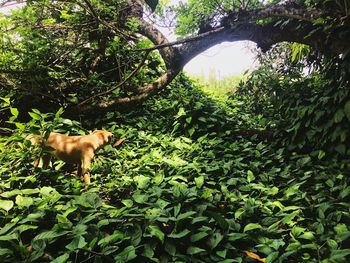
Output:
x,y
184,187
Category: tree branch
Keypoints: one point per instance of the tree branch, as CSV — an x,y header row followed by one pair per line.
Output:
x,y
131,75
297,27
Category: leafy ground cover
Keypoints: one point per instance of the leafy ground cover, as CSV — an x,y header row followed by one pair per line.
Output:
x,y
186,186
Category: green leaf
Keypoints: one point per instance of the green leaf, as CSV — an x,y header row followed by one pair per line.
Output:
x,y
296,231
185,215
332,244
14,112
271,257
199,181
338,116
20,126
6,101
239,212
339,254
23,228
251,226
78,242
4,252
215,239
219,219
128,203
344,193
34,116
50,234
347,109
140,198
250,176
142,181
155,231
307,235
111,238
181,234
24,201
321,154
8,237
126,255
198,236
6,205
170,248
194,250
61,259
293,246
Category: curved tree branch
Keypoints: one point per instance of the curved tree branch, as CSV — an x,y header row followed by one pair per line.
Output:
x,y
297,26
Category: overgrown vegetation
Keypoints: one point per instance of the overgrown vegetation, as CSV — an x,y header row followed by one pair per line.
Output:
x,y
187,186
260,176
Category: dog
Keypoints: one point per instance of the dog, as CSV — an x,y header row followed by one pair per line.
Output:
x,y
72,149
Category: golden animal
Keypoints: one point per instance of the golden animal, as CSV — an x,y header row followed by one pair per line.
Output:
x,y
73,149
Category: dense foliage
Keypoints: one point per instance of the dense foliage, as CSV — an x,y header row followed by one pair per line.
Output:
x,y
53,53
260,176
307,99
185,187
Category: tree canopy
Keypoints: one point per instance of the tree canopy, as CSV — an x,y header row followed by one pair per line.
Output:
x,y
83,55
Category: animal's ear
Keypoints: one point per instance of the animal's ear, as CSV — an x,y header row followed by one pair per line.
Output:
x,y
95,131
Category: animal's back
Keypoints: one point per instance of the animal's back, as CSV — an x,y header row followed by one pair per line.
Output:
x,y
65,147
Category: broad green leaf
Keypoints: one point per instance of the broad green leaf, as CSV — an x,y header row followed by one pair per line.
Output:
x,y
181,234
4,252
250,176
339,254
142,181
6,205
251,227
140,198
24,201
77,242
194,250
111,238
126,255
199,181
61,259
338,116
198,236
157,232
14,112
215,239
185,215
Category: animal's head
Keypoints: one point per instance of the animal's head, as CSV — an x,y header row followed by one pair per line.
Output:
x,y
103,136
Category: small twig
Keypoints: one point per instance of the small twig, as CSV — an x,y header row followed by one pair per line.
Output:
x,y
132,74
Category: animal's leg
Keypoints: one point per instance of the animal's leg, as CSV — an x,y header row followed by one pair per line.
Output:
x,y
80,170
85,167
46,160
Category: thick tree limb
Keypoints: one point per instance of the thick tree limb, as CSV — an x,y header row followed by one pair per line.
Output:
x,y
143,93
297,27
